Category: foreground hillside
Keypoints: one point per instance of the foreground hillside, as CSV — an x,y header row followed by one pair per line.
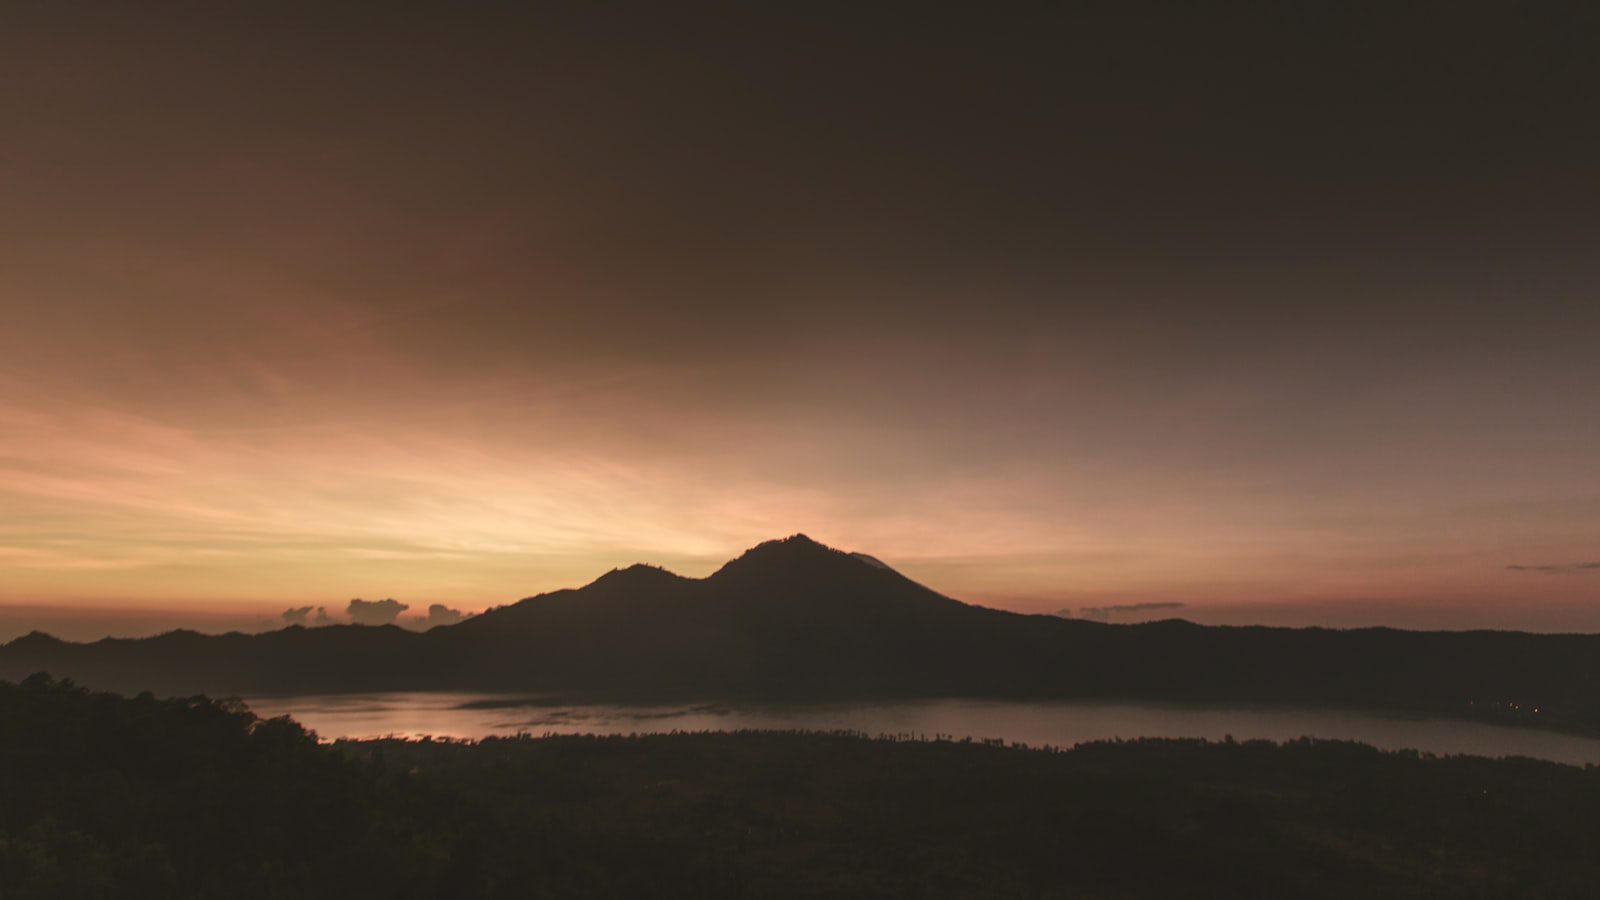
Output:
x,y
109,797
793,619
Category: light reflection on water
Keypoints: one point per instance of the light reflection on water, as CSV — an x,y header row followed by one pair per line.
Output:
x,y
1059,723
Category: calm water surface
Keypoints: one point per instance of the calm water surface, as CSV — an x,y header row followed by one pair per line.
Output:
x,y
1062,723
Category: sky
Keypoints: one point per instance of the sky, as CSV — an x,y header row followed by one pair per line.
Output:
x,y
1284,314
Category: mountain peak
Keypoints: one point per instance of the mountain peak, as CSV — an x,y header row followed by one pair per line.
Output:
x,y
797,540
796,556
795,546
638,574
35,638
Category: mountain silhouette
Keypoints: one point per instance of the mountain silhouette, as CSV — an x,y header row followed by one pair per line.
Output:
x,y
795,620
787,618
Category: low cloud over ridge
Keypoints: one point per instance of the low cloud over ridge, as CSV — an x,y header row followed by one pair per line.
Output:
x,y
1107,613
375,612
302,615
439,614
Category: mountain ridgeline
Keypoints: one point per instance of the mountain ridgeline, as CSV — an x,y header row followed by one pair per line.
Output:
x,y
794,620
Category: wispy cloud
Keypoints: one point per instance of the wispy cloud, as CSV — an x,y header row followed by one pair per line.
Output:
x,y
1581,568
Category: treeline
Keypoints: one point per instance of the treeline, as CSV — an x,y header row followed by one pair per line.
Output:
x,y
108,797
103,796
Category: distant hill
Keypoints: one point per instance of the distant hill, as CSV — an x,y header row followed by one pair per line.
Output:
x,y
795,620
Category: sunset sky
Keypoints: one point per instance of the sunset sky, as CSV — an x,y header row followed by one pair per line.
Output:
x,y
1289,319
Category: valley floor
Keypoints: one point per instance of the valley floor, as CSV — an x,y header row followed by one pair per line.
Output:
x,y
105,796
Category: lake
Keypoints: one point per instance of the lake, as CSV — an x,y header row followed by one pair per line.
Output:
x,y
1060,723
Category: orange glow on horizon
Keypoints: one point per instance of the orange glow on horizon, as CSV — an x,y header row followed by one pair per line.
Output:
x,y
444,316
